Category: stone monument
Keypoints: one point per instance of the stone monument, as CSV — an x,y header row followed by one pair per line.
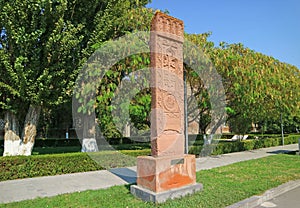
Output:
x,y
168,172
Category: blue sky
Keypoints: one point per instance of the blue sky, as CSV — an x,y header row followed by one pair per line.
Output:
x,y
271,27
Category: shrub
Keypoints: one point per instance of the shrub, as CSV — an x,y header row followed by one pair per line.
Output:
x,y
292,139
136,153
250,144
43,165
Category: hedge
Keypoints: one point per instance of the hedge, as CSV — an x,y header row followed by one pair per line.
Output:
x,y
44,165
244,145
196,144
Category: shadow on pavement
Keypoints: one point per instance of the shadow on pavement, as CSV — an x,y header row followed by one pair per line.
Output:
x,y
126,174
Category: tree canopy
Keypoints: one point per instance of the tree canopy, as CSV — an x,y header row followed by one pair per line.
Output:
x,y
258,88
43,45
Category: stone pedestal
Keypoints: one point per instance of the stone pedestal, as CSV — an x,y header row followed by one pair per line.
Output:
x,y
166,177
168,173
160,174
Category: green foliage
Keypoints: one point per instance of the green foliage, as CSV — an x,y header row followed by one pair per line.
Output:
x,y
116,21
40,51
44,165
55,150
240,124
56,142
43,44
140,108
54,164
195,64
290,124
244,145
237,146
136,153
119,18
258,87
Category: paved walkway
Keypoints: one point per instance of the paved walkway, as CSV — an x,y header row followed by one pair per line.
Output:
x,y
288,199
30,188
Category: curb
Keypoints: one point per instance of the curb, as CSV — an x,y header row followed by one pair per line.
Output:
x,y
255,201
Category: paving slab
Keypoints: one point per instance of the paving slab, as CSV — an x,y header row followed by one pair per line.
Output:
x,y
285,195
30,188
209,162
288,199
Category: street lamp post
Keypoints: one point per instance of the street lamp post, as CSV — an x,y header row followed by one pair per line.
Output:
x,y
185,115
282,135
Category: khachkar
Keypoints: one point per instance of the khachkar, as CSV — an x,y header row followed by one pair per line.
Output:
x,y
168,172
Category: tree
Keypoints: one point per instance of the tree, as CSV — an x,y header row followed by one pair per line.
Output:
x,y
258,87
132,20
201,112
43,45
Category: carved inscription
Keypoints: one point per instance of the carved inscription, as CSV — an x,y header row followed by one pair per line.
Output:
x,y
164,23
168,53
167,85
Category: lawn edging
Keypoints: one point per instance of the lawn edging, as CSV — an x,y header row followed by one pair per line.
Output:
x,y
255,201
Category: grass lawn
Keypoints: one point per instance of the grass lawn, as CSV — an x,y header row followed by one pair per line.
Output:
x,y
222,186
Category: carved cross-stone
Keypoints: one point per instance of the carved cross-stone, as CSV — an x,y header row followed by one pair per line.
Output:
x,y
167,106
168,172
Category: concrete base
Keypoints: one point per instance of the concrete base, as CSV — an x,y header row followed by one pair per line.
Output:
x,y
150,196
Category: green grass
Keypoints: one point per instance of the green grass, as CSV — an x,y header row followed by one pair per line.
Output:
x,y
222,186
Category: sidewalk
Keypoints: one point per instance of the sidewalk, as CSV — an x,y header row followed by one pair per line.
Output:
x,y
30,188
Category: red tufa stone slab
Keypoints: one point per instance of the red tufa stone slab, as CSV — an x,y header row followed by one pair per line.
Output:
x,y
168,170
167,103
164,173
168,144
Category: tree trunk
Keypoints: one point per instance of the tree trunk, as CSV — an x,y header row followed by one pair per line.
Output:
x,y
11,137
29,130
89,143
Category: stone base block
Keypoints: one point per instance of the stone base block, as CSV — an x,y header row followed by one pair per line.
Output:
x,y
150,196
160,174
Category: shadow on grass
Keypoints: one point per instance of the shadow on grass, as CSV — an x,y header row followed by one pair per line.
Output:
x,y
127,186
291,152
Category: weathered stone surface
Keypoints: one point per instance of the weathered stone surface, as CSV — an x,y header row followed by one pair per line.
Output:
x,y
167,118
167,144
161,197
168,172
163,173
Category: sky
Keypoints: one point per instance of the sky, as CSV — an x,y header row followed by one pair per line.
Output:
x,y
271,27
